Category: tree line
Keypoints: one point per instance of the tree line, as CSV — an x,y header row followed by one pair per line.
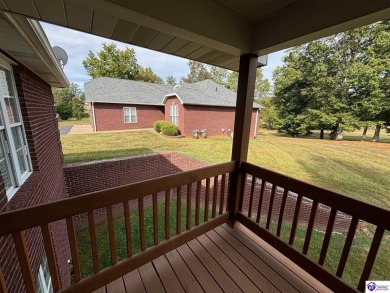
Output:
x,y
339,83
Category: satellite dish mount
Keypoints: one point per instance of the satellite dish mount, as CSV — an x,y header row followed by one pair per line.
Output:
x,y
61,55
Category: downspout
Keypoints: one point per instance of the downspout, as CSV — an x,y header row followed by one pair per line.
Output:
x,y
257,120
94,117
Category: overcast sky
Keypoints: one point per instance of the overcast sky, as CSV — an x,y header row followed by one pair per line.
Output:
x,y
77,45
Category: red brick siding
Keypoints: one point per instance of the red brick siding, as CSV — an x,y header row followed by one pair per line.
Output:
x,y
45,184
213,119
182,112
110,116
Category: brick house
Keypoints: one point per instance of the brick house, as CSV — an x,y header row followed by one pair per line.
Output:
x,y
127,104
30,150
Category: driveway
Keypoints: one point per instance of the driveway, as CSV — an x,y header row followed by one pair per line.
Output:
x,y
64,129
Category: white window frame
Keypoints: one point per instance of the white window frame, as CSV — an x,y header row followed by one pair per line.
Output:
x,y
174,114
7,141
127,112
43,285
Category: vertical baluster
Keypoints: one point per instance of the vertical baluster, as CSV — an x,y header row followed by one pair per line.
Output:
x,y
155,219
258,217
243,191
73,249
189,199
141,222
129,240
206,200
376,241
215,195
167,202
251,197
51,259
3,286
271,206
347,246
197,203
328,235
228,193
92,235
111,234
24,262
178,210
310,226
295,220
281,212
223,182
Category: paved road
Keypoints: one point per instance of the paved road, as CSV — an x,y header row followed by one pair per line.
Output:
x,y
64,129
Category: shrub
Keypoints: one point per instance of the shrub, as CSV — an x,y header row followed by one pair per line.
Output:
x,y
157,125
168,128
64,111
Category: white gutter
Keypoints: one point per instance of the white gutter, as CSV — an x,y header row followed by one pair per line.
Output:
x,y
94,117
257,120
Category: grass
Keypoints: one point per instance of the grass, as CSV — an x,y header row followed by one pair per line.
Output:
x,y
351,275
84,244
72,121
357,256
357,169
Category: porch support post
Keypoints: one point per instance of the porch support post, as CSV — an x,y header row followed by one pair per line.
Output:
x,y
242,125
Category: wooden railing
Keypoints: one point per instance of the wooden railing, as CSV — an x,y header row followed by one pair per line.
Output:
x,y
271,202
201,195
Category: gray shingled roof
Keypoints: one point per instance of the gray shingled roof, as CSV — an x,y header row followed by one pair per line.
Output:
x,y
113,90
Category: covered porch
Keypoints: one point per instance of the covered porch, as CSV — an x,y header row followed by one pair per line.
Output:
x,y
239,230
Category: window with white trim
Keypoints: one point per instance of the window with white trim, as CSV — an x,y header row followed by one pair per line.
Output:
x,y
174,114
130,114
43,281
15,164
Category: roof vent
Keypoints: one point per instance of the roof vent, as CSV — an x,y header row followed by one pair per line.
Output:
x,y
176,87
216,89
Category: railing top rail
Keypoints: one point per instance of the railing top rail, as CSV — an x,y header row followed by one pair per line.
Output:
x,y
34,216
364,211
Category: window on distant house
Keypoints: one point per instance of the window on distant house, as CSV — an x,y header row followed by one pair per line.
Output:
x,y
15,165
174,114
43,281
130,114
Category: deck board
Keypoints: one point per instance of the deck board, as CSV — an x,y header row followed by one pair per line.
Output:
x,y
224,259
133,282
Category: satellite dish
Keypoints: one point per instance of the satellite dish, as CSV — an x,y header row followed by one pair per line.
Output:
x,y
61,55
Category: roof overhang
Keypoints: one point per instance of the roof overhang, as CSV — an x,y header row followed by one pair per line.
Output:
x,y
25,41
216,32
170,96
123,103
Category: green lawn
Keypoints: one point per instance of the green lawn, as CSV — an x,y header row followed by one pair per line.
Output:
x,y
356,168
72,121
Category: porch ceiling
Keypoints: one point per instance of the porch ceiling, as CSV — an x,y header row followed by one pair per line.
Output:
x,y
211,31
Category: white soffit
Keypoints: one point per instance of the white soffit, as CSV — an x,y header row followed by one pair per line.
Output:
x,y
216,32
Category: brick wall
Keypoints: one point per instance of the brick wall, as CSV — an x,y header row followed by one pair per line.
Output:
x,y
45,184
213,119
88,177
110,116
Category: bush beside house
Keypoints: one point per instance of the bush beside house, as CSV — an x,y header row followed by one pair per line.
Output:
x,y
165,127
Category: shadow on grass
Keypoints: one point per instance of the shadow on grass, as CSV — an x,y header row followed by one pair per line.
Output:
x,y
106,154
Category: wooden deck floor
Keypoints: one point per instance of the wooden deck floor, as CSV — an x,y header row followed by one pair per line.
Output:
x,y
223,260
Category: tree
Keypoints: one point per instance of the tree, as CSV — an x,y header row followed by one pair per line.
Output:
x,y
147,75
268,114
69,102
198,72
113,62
170,80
